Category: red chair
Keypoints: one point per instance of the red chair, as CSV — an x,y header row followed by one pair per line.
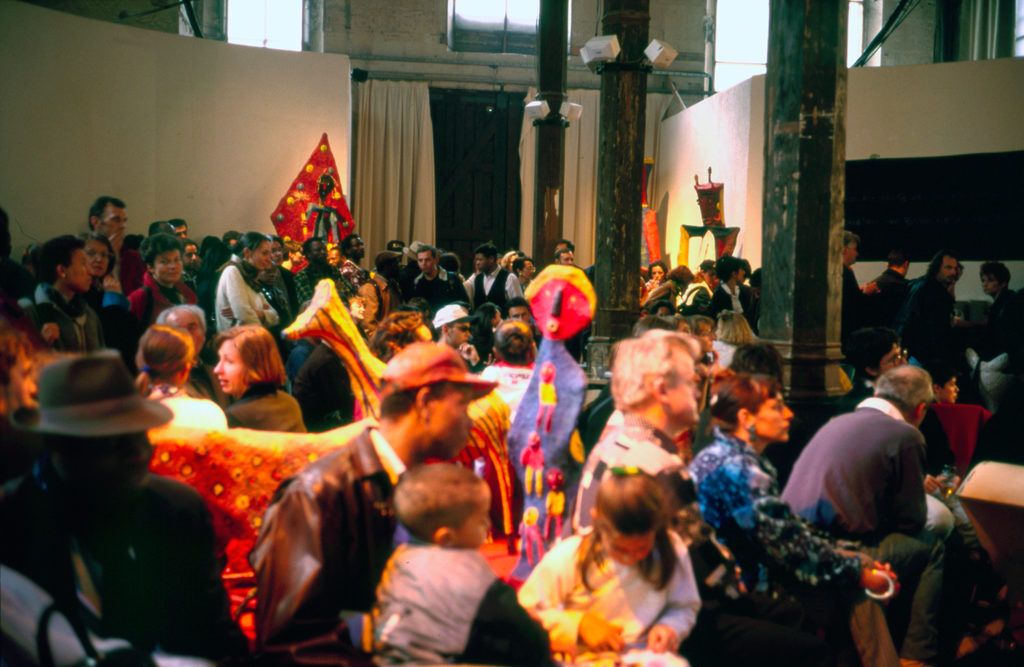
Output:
x,y
962,423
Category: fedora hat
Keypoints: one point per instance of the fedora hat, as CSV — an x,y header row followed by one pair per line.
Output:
x,y
413,249
90,395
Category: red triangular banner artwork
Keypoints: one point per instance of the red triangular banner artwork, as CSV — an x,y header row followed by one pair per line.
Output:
x,y
314,203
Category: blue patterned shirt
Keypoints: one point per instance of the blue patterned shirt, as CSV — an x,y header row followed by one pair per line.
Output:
x,y
739,495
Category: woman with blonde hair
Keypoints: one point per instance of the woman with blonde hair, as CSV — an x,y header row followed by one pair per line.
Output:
x,y
250,371
731,332
165,358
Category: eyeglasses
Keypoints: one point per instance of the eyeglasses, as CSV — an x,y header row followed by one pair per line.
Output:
x,y
98,253
462,327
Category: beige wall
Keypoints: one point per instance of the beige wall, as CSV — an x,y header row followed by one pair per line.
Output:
x,y
177,127
933,110
893,112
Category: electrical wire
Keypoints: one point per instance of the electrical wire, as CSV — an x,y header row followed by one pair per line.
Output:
x,y
897,17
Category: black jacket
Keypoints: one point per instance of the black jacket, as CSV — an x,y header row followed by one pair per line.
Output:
x,y
264,407
880,309
160,582
925,322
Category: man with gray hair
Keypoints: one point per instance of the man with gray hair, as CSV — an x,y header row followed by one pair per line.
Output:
x,y
655,392
656,400
201,382
862,477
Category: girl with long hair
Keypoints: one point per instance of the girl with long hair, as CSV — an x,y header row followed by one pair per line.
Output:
x,y
625,583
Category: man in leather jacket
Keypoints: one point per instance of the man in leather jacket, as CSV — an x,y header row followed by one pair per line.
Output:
x,y
330,530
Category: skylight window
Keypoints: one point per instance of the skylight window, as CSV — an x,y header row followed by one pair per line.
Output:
x,y
272,24
493,26
741,39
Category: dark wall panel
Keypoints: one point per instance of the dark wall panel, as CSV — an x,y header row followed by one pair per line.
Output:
x,y
971,203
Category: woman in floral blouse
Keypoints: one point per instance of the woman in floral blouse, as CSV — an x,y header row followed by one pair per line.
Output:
x,y
739,495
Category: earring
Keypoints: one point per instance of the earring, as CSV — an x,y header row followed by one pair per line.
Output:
x,y
752,432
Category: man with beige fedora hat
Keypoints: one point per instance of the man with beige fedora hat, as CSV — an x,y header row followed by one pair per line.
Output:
x,y
124,553
330,529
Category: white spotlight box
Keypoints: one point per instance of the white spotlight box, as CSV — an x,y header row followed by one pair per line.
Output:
x,y
537,110
570,110
660,54
600,49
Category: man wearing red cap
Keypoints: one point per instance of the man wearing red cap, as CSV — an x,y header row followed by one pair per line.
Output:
x,y
330,530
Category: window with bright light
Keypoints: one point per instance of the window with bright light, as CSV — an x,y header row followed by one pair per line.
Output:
x,y
273,24
493,26
741,39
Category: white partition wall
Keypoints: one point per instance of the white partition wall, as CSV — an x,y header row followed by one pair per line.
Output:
x,y
893,112
176,126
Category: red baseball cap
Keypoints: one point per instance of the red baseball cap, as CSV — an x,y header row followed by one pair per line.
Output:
x,y
422,364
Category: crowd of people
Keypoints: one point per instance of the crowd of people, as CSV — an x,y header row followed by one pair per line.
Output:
x,y
684,537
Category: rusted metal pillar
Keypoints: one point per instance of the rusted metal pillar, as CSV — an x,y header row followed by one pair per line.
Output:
x,y
804,184
552,50
620,167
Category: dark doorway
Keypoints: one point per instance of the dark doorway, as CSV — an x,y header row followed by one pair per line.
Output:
x,y
476,164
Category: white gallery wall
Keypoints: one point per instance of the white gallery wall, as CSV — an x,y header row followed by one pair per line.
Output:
x,y
893,112
177,127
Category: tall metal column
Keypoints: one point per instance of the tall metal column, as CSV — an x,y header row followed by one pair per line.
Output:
x,y
804,183
620,175
552,50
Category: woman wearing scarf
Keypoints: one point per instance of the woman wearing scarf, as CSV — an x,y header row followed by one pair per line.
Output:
x,y
240,299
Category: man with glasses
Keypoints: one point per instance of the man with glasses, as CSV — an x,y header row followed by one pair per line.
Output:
x,y
871,351
107,216
452,322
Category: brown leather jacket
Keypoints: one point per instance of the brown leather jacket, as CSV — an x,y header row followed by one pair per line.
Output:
x,y
322,548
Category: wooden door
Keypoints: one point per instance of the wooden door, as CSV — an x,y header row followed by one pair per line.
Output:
x,y
476,163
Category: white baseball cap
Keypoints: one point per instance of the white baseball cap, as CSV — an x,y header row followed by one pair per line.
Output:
x,y
450,314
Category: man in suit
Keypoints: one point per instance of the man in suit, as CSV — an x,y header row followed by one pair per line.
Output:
x,y
491,283
862,477
122,552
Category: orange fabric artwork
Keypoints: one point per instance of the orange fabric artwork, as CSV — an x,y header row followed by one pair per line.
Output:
x,y
237,472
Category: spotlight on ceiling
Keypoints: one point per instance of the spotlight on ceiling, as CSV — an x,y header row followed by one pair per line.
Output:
x,y
660,54
537,110
597,50
570,110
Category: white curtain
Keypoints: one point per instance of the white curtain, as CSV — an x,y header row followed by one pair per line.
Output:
x,y
987,29
394,183
579,177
